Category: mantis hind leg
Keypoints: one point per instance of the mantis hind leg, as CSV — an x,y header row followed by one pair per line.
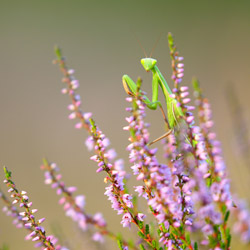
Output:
x,y
161,137
164,116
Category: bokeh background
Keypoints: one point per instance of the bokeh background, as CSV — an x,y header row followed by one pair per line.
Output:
x,y
98,40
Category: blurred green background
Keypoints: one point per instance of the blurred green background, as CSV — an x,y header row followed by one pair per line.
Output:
x,y
97,37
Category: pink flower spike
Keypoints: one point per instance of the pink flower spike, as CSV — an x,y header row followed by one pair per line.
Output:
x,y
180,75
59,191
36,238
99,170
71,107
71,71
190,108
34,211
183,88
78,103
87,115
10,190
62,200
184,94
190,119
141,216
78,125
186,100
64,91
126,128
29,204
71,189
180,65
80,201
72,116
28,225
25,197
41,220
94,158
15,201
129,99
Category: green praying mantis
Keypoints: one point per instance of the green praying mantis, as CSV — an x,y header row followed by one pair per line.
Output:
x,y
174,113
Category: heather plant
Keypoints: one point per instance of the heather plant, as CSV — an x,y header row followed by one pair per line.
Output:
x,y
188,196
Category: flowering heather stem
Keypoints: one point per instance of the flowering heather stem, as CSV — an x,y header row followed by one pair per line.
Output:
x,y
97,140
38,233
74,206
11,210
218,182
157,179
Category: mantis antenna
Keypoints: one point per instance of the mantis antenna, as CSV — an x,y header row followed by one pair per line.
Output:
x,y
155,45
140,44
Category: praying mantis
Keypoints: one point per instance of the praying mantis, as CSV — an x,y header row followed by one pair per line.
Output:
x,y
174,113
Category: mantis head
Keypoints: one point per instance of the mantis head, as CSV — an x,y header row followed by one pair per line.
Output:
x,y
148,63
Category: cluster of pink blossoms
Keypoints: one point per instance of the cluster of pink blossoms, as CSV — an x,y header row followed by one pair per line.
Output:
x,y
26,218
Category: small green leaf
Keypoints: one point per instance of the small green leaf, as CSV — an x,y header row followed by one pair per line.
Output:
x,y
170,40
140,223
141,235
119,243
196,85
188,238
7,173
45,162
195,246
229,237
227,216
58,52
147,229
142,247
154,243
